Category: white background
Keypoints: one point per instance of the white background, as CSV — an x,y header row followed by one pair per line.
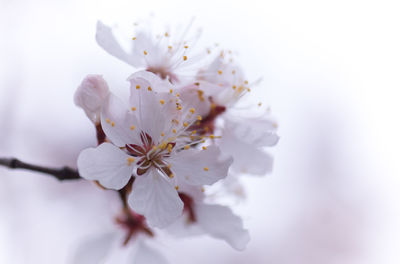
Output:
x,y
330,74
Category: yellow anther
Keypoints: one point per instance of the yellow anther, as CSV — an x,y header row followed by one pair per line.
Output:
x,y
133,108
187,147
184,58
169,166
179,107
108,120
185,124
192,110
171,91
197,83
248,89
112,124
171,175
234,87
177,94
186,46
203,141
212,136
246,82
174,131
162,101
219,72
199,118
130,161
259,104
145,52
154,148
176,187
205,168
204,147
162,134
194,132
132,127
134,38
138,87
169,148
233,72
170,47
149,88
202,189
166,34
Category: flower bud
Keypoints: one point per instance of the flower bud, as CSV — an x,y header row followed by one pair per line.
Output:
x,y
91,95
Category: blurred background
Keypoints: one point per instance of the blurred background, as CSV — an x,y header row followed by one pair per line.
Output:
x,y
330,75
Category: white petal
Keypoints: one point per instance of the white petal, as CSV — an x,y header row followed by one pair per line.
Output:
x,y
154,110
155,198
91,95
220,222
119,124
107,164
200,167
247,158
94,250
147,255
107,41
255,131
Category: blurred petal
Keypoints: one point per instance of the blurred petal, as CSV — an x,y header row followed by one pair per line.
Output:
x,y
203,167
247,158
155,198
148,255
107,41
220,222
94,250
107,164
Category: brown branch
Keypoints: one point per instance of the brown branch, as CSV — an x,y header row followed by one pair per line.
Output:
x,y
61,174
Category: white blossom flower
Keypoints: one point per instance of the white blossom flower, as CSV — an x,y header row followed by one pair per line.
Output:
x,y
215,220
169,55
91,95
224,84
150,140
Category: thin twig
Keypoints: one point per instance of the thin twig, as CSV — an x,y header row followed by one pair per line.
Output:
x,y
61,174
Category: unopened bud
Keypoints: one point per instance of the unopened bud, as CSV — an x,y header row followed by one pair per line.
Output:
x,y
91,95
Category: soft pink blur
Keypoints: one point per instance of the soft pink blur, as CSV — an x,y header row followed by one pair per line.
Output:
x,y
330,74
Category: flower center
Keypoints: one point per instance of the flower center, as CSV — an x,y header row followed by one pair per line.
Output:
x,y
151,155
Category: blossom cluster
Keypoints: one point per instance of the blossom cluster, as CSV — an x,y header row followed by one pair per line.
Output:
x,y
179,131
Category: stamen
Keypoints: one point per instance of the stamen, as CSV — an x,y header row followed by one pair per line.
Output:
x,y
199,118
184,58
192,110
132,127
187,147
149,88
205,168
162,101
108,121
176,187
133,108
137,87
134,38
145,52
219,72
130,161
185,124
162,134
204,147
112,124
